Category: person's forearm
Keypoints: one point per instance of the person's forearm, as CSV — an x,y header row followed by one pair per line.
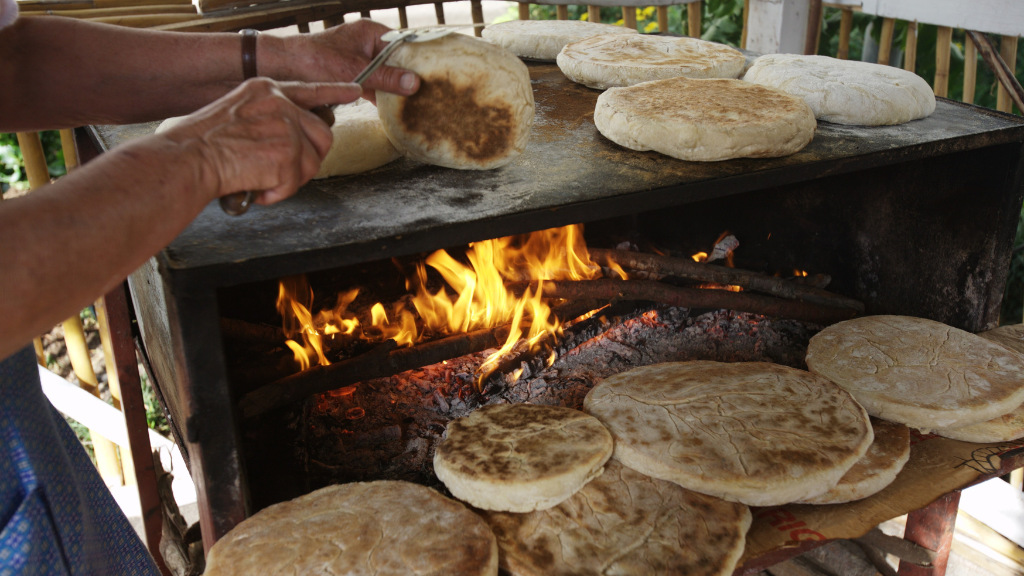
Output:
x,y
66,243
60,72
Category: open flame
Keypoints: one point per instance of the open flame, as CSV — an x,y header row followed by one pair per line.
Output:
x,y
475,297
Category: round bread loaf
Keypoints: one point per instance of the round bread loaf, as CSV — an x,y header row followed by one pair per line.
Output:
x,y
1008,426
360,143
847,91
382,528
889,452
627,59
473,110
521,457
625,523
750,432
919,372
705,120
544,39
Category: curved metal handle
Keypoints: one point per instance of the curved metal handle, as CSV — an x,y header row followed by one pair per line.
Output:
x,y
238,203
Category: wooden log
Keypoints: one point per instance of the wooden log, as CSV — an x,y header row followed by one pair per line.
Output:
x,y
996,63
814,15
127,11
477,10
594,14
746,24
943,44
910,48
747,280
1008,51
403,17
970,69
693,15
562,12
932,527
146,20
524,10
439,12
617,290
662,19
629,17
34,158
845,27
885,40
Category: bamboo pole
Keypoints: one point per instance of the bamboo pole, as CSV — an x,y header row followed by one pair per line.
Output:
x,y
943,45
127,463
562,12
998,66
524,10
439,12
67,144
105,450
629,17
885,42
910,48
37,343
1008,50
594,14
746,23
845,27
970,69
146,20
662,19
477,9
128,11
693,12
403,17
814,14
35,160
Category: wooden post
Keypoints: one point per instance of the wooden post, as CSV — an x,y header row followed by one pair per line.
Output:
x,y
524,10
746,23
562,12
942,48
1008,50
629,17
364,14
303,26
439,12
845,27
970,69
127,463
813,28
910,49
478,17
67,144
693,12
885,42
403,18
594,14
35,160
1017,479
663,19
333,21
932,527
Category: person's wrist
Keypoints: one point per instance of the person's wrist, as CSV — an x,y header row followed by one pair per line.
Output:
x,y
272,57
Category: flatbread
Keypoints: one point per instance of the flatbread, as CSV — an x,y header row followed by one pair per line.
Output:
x,y
383,528
705,120
919,372
626,59
544,39
1008,426
360,143
847,91
750,432
889,452
521,457
473,110
625,523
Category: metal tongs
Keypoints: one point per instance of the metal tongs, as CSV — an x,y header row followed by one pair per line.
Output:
x,y
238,203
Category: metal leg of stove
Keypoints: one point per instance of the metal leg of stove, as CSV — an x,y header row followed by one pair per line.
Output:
x,y
123,345
932,527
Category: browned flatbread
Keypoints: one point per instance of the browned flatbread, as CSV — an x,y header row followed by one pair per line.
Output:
x,y
379,528
625,523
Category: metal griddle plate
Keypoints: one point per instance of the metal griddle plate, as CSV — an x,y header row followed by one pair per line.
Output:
x,y
569,173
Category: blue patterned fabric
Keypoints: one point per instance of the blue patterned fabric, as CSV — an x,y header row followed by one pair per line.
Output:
x,y
57,515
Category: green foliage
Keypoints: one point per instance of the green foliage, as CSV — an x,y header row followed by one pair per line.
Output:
x,y
12,171
154,414
83,436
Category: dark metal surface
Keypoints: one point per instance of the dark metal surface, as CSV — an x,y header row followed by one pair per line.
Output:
x,y
569,173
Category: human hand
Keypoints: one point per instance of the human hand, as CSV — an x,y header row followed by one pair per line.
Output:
x,y
336,54
261,136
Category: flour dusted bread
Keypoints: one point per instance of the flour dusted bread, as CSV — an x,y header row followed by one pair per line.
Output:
x,y
750,432
705,120
473,110
1008,426
922,373
521,457
625,523
847,91
382,528
627,59
889,452
544,39
360,143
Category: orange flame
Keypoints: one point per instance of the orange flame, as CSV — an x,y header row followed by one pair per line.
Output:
x,y
799,273
700,257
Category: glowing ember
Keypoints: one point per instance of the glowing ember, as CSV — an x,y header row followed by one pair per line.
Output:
x,y
799,273
700,257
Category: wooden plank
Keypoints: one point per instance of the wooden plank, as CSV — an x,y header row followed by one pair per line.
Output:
x,y
845,27
932,527
910,48
693,15
126,11
629,17
262,19
813,28
47,5
524,10
439,12
778,27
662,18
147,20
943,44
1008,51
562,12
970,69
885,40
477,10
1004,17
594,13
